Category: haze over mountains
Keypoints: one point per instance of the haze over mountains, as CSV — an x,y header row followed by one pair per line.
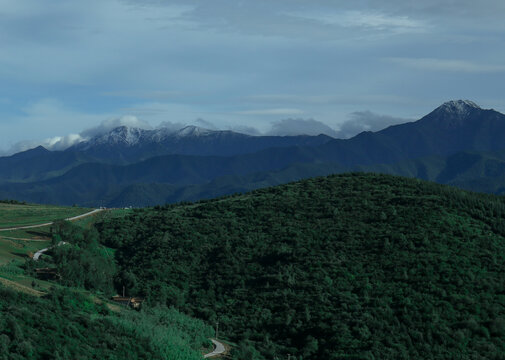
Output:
x,y
458,143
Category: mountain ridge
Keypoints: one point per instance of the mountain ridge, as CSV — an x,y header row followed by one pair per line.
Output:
x,y
127,144
425,148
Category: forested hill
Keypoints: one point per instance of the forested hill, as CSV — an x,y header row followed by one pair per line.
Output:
x,y
349,266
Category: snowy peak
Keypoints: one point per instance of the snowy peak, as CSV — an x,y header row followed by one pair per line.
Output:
x,y
122,135
453,114
127,144
458,107
125,136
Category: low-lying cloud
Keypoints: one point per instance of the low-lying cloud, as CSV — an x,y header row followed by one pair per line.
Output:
x,y
360,121
110,124
55,143
58,143
290,127
356,123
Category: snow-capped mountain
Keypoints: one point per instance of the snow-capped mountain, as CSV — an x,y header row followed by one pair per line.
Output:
x,y
457,109
123,135
130,136
128,144
457,114
460,107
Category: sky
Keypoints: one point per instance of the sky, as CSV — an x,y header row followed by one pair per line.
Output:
x,y
71,68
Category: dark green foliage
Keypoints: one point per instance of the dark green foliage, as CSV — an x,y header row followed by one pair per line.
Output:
x,y
81,261
66,325
78,258
351,266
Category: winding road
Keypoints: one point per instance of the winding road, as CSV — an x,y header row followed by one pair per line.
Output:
x,y
219,350
36,256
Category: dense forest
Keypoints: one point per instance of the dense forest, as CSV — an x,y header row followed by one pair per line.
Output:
x,y
348,266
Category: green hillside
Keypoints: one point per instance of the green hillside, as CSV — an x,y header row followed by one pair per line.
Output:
x,y
349,266
71,317
66,325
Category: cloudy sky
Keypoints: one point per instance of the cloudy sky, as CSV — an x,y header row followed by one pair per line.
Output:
x,y
283,66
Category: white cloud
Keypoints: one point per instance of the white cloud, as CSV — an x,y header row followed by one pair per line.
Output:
x,y
62,142
109,124
360,121
452,65
55,143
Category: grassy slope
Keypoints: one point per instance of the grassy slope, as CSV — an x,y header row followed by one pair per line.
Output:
x,y
364,266
12,215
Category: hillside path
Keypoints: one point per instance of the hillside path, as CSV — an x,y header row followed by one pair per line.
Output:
x,y
78,217
36,256
219,350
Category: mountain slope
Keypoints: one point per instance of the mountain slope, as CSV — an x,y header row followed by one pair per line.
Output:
x,y
38,164
454,126
94,183
349,266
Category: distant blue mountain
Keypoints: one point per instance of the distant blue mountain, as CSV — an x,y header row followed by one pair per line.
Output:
x,y
458,143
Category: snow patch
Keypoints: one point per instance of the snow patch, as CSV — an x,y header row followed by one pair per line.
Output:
x,y
123,135
459,107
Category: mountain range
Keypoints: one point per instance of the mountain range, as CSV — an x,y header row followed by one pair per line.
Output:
x,y
126,145
458,143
